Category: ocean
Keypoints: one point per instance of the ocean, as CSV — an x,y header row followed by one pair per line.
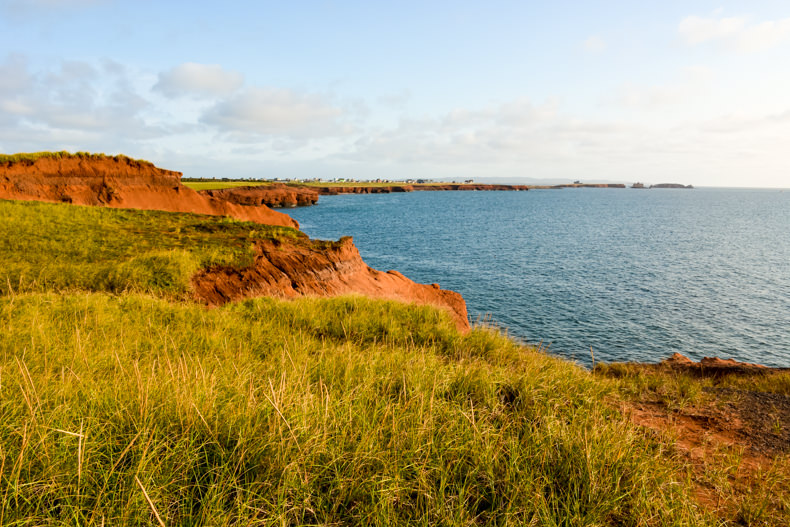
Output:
x,y
635,274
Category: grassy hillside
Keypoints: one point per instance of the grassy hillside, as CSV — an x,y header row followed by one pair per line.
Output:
x,y
307,412
123,404
48,247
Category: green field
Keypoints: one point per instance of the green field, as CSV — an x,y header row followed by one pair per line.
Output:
x,y
123,403
219,185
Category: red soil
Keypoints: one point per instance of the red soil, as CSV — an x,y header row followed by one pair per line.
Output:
x,y
298,267
119,183
313,268
276,195
712,366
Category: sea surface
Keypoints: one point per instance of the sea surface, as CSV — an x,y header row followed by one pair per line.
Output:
x,y
634,274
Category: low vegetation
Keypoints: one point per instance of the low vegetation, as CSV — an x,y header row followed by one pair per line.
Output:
x,y
734,428
48,247
220,185
33,156
125,404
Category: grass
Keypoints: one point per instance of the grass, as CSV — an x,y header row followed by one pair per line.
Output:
x,y
219,185
121,403
318,411
369,184
747,487
683,386
33,156
46,247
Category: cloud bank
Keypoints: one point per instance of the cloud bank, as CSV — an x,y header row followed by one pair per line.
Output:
x,y
272,112
736,32
191,78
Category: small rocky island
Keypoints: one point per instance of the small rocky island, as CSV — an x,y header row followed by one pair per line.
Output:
x,y
670,185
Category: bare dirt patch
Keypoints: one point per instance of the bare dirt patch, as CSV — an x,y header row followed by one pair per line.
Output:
x,y
734,433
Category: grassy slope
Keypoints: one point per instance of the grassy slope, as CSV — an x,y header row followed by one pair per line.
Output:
x,y
316,411
54,247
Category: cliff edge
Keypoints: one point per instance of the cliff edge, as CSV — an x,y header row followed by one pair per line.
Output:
x,y
288,267
117,182
305,267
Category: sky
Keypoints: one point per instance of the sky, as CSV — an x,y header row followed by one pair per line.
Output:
x,y
691,92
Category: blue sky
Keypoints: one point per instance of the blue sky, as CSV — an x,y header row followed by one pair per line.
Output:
x,y
691,92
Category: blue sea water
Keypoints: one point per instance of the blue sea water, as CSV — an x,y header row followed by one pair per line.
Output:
x,y
636,274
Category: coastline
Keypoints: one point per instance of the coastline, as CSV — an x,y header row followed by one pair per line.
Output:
x,y
329,384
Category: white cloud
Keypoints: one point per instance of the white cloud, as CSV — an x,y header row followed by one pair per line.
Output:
x,y
191,78
14,77
396,100
736,32
270,112
594,44
693,82
75,100
538,140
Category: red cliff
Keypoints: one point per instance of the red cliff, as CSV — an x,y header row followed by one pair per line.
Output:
x,y
276,195
295,267
118,182
307,267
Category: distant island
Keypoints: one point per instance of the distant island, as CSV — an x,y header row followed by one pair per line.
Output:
x,y
671,185
661,185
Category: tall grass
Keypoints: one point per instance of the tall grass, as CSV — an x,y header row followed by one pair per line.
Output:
x,y
317,411
123,408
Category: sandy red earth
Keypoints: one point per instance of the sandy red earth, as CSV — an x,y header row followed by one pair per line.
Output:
x,y
291,269
119,183
275,195
743,428
283,269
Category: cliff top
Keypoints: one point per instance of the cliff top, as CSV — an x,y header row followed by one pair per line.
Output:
x,y
32,157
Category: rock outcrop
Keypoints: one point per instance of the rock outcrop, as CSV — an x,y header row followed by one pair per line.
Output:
x,y
294,266
119,182
713,366
307,267
275,195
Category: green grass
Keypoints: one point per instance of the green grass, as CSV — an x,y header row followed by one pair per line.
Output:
x,y
115,391
47,246
33,156
318,411
672,387
219,185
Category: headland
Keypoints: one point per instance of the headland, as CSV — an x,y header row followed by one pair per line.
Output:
x,y
126,400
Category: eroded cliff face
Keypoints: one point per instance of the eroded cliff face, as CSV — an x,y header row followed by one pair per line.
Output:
x,y
294,266
120,182
307,267
276,195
